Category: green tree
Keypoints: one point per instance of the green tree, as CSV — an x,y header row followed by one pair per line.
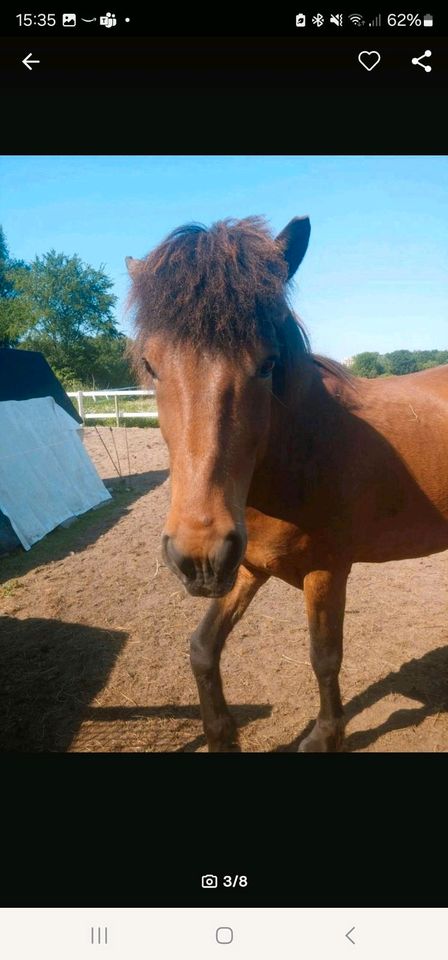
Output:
x,y
105,364
14,318
71,305
430,358
396,363
367,364
111,365
400,362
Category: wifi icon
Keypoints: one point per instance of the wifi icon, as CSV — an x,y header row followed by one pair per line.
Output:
x,y
356,19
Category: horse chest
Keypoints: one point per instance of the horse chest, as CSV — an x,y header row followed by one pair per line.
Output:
x,y
284,550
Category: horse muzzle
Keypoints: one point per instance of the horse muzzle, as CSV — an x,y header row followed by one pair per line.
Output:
x,y
210,575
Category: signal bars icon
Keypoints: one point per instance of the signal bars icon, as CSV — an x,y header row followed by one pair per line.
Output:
x,y
376,22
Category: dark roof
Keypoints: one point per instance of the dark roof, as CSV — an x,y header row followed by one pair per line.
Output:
x,y
25,374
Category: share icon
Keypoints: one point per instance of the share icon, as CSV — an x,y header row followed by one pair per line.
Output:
x,y
417,61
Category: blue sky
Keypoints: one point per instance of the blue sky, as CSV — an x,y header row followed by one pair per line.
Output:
x,y
376,273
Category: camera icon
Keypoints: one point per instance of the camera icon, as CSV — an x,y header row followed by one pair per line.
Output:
x,y
209,881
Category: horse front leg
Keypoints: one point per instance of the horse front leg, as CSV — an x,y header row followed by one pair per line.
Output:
x,y
325,603
206,647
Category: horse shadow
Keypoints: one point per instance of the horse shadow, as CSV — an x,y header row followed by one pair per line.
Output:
x,y
423,679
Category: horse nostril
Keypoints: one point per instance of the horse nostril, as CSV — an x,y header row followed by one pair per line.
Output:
x,y
228,555
177,559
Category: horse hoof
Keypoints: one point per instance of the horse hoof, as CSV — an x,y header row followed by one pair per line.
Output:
x,y
325,737
224,737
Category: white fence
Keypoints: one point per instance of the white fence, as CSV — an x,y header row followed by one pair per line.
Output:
x,y
79,395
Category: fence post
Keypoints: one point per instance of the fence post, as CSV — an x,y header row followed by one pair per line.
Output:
x,y
80,399
117,412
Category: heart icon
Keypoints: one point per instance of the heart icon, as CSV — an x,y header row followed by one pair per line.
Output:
x,y
369,59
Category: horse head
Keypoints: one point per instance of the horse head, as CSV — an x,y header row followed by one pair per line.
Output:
x,y
211,313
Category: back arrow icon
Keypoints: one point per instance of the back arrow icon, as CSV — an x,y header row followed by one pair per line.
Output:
x,y
28,62
348,935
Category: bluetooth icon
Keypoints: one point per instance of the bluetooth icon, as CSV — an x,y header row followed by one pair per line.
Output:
x,y
318,20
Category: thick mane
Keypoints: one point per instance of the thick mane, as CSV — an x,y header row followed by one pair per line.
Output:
x,y
337,369
220,288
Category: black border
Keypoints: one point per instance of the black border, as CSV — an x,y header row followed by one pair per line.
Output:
x,y
222,95
132,830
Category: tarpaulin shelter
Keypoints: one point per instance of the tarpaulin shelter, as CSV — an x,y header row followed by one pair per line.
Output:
x,y
46,475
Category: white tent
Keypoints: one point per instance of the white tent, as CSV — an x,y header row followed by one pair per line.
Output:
x,y
46,475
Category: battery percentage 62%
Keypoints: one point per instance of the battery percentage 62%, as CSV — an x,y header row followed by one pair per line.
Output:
x,y
405,20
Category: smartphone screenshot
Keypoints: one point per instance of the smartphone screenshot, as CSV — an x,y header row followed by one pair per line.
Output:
x,y
223,482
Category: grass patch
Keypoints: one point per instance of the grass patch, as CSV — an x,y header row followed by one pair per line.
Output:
x,y
9,588
126,405
129,422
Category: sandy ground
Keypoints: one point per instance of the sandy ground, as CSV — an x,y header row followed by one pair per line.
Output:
x,y
94,639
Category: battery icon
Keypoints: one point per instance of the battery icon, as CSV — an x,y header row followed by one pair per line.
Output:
x,y
428,20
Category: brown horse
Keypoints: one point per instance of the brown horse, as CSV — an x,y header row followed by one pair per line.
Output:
x,y
282,464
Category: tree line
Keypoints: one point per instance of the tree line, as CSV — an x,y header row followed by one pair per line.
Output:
x,y
63,308
397,363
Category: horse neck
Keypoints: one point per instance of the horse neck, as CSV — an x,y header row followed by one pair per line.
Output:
x,y
303,418
292,407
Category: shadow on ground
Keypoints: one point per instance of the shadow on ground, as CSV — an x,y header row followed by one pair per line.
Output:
x,y
86,529
49,673
243,713
51,670
423,680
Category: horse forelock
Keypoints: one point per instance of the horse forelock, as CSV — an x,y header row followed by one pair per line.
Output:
x,y
220,288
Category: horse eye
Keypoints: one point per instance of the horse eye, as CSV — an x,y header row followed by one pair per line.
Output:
x,y
149,368
266,369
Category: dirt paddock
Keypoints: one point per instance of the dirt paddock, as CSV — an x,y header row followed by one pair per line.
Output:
x,y
94,639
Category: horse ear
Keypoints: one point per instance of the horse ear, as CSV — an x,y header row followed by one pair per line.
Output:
x,y
132,265
294,242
